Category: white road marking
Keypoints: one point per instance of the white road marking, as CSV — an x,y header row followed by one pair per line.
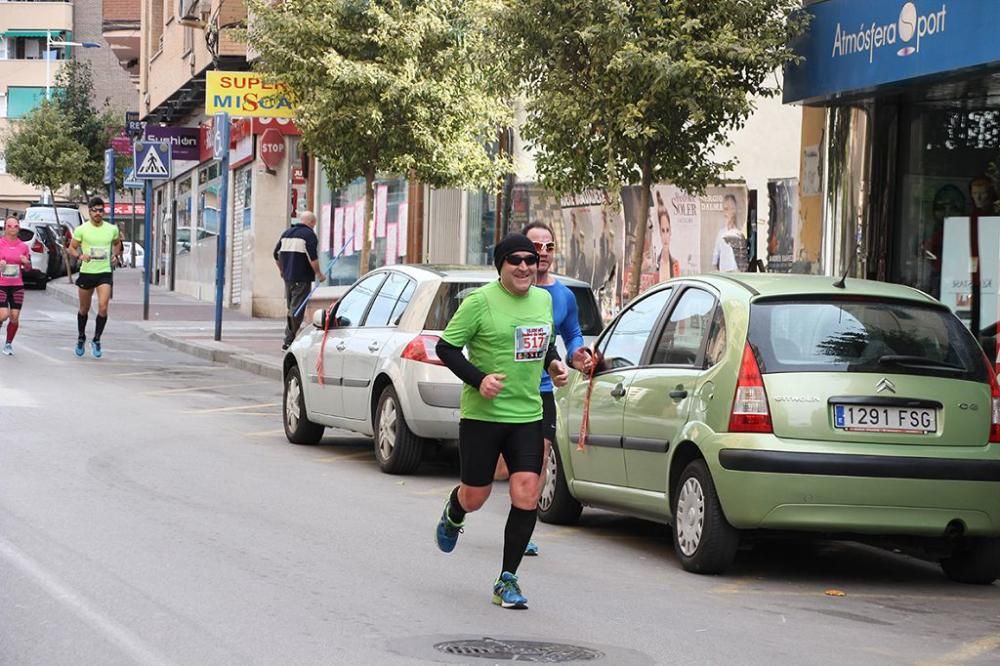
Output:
x,y
50,359
116,633
16,398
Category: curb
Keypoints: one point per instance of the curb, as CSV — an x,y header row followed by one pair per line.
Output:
x,y
234,357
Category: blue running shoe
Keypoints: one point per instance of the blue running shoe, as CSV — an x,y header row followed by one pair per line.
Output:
x,y
447,531
531,549
95,347
79,346
507,593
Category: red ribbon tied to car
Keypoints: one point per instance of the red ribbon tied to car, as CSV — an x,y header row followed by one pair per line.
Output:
x,y
585,424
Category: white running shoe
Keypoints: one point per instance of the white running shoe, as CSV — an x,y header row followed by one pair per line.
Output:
x,y
8,349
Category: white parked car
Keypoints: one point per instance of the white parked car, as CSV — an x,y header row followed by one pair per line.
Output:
x,y
380,373
127,255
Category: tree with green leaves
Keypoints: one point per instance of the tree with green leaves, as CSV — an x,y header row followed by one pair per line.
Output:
x,y
41,150
625,92
390,86
93,127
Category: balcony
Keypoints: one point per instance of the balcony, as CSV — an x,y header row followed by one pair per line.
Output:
x,y
35,16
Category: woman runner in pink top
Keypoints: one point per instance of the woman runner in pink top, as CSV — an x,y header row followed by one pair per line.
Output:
x,y
14,258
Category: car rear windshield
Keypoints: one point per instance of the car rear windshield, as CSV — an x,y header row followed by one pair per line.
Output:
x,y
451,294
858,335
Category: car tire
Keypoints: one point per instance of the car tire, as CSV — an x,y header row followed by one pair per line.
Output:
x,y
298,428
976,562
556,505
397,449
704,540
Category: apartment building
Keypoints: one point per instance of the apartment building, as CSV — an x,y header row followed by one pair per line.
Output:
x,y
180,42
27,65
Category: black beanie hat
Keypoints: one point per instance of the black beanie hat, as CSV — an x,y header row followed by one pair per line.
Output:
x,y
511,243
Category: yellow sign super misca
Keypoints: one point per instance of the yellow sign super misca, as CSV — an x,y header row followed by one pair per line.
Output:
x,y
245,94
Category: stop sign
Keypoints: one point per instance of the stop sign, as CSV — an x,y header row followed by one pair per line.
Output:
x,y
272,147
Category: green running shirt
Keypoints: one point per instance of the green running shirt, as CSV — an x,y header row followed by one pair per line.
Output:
x,y
504,334
96,242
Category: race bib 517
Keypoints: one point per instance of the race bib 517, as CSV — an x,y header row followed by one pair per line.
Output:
x,y
11,271
530,343
98,253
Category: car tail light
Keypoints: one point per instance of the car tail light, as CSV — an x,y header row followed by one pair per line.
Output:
x,y
750,411
994,402
421,349
37,247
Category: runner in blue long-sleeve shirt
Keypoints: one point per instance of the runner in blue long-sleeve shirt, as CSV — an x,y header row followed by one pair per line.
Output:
x,y
567,323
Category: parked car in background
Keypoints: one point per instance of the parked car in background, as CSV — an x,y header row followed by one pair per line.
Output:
x,y
38,274
725,404
374,371
127,255
67,215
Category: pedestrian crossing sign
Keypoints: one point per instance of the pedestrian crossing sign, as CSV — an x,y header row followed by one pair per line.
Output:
x,y
152,160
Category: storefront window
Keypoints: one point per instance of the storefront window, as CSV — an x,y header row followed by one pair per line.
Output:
x,y
184,210
948,241
209,185
341,219
481,216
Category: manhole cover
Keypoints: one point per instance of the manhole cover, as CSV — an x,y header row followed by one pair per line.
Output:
x,y
512,650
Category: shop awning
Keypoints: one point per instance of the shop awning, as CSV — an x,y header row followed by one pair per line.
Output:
x,y
33,33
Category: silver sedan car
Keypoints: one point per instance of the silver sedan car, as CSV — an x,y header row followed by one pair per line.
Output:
x,y
370,367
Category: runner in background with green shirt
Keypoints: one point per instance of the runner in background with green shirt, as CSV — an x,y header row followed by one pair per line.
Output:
x,y
507,328
96,243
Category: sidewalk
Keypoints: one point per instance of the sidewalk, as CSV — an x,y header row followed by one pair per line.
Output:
x,y
188,324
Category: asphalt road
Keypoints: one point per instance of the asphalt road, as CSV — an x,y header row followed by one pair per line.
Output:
x,y
152,512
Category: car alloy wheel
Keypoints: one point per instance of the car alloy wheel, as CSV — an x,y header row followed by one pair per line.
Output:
x,y
298,428
292,395
690,516
549,489
387,423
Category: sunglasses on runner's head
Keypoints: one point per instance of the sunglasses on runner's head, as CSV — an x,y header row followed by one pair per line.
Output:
x,y
548,247
515,260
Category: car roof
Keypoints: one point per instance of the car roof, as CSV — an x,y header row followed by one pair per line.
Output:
x,y
470,273
766,285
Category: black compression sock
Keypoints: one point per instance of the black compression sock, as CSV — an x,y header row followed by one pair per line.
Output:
x,y
455,510
517,534
99,329
81,325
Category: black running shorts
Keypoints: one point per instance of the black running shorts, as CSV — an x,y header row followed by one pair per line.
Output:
x,y
549,416
93,280
11,298
480,444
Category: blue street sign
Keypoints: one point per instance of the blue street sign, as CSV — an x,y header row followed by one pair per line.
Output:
x,y
109,166
220,134
131,182
151,160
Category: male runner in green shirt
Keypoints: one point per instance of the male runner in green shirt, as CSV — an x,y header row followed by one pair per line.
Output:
x,y
95,242
507,328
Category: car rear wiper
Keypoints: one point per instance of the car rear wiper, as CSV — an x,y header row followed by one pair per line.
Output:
x,y
919,362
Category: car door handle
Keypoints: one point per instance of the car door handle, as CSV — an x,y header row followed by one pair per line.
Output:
x,y
618,391
679,392
341,346
373,347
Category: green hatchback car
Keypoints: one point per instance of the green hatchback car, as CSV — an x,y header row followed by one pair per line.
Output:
x,y
734,402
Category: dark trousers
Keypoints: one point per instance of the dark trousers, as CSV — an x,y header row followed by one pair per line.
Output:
x,y
295,296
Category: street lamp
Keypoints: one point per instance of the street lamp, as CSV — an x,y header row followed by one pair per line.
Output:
x,y
49,43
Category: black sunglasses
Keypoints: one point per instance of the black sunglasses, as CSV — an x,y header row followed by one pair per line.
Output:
x,y
529,259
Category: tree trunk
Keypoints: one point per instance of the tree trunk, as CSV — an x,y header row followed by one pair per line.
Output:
x,y
641,223
369,210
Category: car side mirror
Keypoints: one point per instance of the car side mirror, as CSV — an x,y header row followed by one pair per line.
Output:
x,y
319,319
